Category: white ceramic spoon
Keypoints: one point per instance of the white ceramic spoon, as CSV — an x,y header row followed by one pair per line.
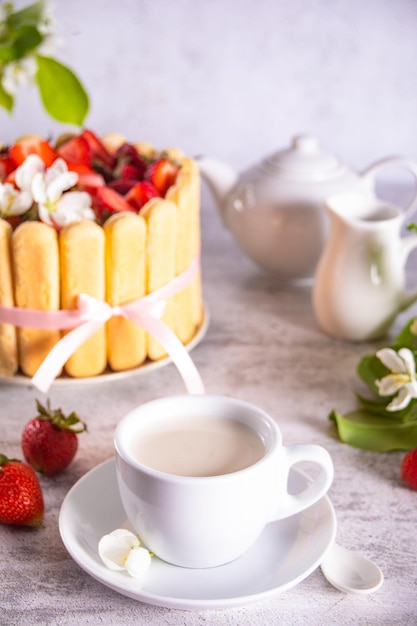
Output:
x,y
350,572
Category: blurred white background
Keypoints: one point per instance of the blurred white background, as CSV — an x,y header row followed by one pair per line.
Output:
x,y
236,79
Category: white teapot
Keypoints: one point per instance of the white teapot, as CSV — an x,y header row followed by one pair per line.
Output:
x,y
275,210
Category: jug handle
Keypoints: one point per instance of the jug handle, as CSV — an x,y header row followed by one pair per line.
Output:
x,y
411,166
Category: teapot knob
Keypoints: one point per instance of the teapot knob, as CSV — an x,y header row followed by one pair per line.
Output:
x,y
305,143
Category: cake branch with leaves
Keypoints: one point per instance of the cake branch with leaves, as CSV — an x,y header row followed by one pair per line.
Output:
x,y
102,217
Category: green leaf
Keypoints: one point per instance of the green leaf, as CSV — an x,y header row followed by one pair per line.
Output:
x,y
378,408
62,94
20,43
6,100
6,53
370,369
30,15
363,430
406,338
372,427
27,39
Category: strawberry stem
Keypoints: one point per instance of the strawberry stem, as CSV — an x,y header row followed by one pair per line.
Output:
x,y
67,422
4,459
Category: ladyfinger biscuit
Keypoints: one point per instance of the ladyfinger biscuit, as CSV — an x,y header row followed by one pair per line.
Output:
x,y
184,324
125,281
175,154
146,149
113,141
82,254
188,307
191,174
36,281
162,224
8,339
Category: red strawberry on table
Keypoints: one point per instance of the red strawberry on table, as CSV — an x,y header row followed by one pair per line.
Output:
x,y
49,441
21,499
162,174
32,145
409,469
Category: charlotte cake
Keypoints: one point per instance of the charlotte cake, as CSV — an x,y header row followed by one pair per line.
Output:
x,y
97,216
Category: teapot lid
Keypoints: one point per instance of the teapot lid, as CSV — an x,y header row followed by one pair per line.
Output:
x,y
304,160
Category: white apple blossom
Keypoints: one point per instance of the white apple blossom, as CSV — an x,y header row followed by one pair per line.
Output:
x,y
121,550
402,378
13,201
48,23
55,207
19,73
73,206
47,27
48,185
25,173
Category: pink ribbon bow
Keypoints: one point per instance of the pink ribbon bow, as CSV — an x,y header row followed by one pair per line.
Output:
x,y
92,313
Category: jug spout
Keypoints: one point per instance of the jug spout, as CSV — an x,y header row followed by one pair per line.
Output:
x,y
221,179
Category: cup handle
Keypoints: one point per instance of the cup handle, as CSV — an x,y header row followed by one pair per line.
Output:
x,y
294,503
411,166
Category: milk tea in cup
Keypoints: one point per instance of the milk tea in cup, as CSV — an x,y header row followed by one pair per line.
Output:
x,y
200,476
197,446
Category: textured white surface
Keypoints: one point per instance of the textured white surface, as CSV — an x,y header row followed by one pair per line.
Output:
x,y
238,79
262,346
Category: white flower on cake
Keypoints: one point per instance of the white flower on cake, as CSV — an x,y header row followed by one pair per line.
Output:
x,y
25,174
47,186
12,201
121,550
402,378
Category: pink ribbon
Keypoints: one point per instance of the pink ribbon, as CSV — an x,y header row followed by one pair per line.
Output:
x,y
92,313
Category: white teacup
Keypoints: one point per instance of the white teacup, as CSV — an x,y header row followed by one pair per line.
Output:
x,y
200,476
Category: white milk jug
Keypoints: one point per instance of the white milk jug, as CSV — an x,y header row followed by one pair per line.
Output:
x,y
359,286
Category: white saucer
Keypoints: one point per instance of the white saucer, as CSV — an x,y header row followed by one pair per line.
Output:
x,y
109,375
286,552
